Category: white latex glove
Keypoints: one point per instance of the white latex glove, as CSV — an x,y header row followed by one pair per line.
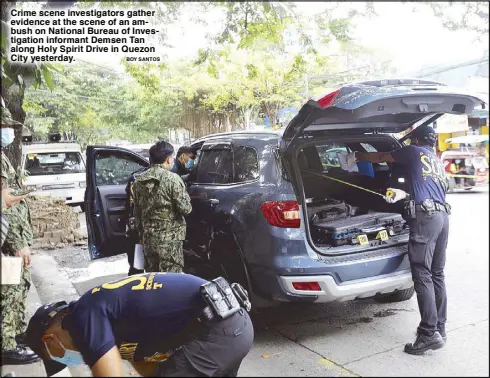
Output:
x,y
397,195
351,158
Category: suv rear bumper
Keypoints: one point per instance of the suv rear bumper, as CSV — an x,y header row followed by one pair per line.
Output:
x,y
331,291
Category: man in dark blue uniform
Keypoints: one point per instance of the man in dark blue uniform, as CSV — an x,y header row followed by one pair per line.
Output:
x,y
427,215
184,162
158,321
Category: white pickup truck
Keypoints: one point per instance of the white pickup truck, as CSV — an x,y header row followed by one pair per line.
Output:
x,y
55,169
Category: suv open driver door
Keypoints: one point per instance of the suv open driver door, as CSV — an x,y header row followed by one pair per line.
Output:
x,y
108,171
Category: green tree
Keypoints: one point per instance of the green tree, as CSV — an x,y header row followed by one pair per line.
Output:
x,y
466,15
16,78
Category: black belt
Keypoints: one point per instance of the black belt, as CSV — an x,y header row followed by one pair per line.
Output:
x,y
437,207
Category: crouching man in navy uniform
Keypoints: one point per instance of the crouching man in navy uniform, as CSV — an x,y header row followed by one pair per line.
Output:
x,y
165,324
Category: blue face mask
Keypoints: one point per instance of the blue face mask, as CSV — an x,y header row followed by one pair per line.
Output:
x,y
71,357
8,136
189,164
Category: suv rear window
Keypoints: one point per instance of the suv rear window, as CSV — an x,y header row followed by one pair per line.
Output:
x,y
224,166
54,163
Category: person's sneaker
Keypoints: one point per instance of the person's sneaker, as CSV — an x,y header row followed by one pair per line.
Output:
x,y
19,356
423,343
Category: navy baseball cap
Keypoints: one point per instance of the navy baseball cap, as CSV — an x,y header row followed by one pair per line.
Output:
x,y
38,324
425,133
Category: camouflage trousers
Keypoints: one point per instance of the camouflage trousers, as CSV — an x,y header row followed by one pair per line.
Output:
x,y
13,308
163,255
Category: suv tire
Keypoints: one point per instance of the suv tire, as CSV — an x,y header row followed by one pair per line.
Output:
x,y
228,263
396,296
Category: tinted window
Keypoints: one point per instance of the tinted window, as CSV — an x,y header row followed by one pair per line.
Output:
x,y
246,164
114,168
215,167
56,163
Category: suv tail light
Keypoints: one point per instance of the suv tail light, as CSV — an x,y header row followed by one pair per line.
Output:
x,y
281,213
327,100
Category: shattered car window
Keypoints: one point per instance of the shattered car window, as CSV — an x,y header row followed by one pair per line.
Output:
x,y
114,169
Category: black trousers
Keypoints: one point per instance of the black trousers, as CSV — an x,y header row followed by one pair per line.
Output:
x,y
427,255
215,349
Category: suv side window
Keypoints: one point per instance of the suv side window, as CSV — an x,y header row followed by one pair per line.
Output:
x,y
246,164
224,166
328,154
114,168
215,167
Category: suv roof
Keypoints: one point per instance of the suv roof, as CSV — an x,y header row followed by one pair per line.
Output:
x,y
272,134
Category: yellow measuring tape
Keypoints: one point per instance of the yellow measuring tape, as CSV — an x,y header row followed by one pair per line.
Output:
x,y
467,176
389,193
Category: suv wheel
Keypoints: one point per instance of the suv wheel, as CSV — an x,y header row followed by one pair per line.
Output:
x,y
227,262
396,296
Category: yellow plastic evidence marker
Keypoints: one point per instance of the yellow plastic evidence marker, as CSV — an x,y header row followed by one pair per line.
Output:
x,y
383,235
362,239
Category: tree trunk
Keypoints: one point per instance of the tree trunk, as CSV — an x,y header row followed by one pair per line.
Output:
x,y
12,102
248,116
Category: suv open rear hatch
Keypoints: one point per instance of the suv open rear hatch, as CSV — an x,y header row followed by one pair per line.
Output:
x,y
390,106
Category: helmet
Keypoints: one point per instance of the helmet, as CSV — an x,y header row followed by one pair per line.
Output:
x,y
425,134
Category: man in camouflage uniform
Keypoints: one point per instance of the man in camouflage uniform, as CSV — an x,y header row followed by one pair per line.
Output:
x,y
161,203
17,242
8,200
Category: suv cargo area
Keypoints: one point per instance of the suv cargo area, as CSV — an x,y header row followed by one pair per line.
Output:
x,y
346,219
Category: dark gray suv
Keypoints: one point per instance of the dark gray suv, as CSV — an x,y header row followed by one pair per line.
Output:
x,y
272,210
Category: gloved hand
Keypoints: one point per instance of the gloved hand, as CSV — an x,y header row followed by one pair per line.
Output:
x,y
351,158
395,195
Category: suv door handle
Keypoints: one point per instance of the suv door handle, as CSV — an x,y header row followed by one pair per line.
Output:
x,y
213,201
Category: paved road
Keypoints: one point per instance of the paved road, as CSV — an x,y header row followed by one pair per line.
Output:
x,y
360,338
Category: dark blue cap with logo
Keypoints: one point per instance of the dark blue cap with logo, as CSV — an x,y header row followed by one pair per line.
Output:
x,y
425,134
38,325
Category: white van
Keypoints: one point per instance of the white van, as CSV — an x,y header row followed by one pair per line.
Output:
x,y
55,169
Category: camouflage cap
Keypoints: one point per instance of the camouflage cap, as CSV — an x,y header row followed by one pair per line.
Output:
x,y
7,118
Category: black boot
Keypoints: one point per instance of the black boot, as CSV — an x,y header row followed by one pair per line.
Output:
x,y
423,343
19,356
443,335
133,271
441,328
21,339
